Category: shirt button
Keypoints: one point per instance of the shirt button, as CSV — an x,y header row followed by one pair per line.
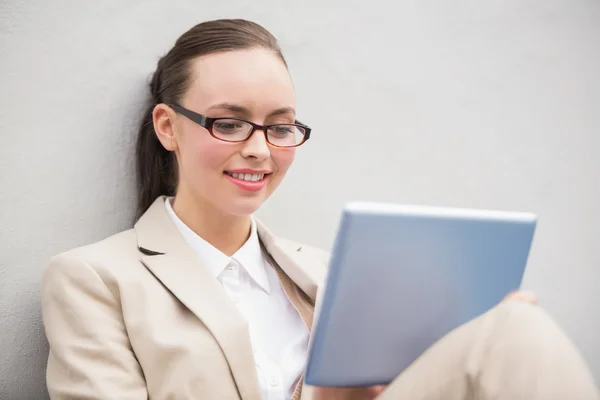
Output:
x,y
273,381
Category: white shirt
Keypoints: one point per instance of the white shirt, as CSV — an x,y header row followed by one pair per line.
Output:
x,y
278,334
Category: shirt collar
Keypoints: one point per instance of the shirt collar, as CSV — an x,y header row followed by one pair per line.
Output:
x,y
249,256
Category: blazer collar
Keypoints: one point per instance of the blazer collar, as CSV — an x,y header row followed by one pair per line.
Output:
x,y
172,261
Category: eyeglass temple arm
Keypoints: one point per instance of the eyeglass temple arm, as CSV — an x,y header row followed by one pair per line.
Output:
x,y
198,118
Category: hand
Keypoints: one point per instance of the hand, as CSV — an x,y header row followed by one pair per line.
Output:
x,y
361,393
521,295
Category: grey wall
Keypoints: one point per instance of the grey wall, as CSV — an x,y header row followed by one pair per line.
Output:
x,y
491,104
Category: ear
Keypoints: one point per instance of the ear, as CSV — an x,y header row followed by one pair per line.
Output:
x,y
163,118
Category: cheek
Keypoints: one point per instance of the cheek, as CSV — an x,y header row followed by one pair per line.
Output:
x,y
201,155
283,159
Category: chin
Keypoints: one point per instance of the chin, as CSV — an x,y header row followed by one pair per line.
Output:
x,y
245,207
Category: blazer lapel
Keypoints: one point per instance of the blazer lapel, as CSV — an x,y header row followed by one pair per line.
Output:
x,y
306,268
173,262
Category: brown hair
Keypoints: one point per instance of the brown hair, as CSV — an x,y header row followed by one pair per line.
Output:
x,y
157,167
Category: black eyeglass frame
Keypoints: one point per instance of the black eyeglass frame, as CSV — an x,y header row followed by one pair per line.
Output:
x,y
207,123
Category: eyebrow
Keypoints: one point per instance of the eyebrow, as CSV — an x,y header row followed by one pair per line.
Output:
x,y
245,111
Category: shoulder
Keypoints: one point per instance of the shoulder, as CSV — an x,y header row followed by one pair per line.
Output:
x,y
107,260
122,245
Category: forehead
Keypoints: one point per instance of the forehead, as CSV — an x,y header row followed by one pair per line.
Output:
x,y
256,79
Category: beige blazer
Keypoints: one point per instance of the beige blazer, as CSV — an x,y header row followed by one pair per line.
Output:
x,y
136,316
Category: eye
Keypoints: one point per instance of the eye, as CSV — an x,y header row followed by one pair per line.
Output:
x,y
282,130
230,127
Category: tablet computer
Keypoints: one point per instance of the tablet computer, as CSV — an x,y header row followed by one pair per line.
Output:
x,y
401,277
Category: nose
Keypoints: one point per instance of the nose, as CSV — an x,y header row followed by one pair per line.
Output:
x,y
256,146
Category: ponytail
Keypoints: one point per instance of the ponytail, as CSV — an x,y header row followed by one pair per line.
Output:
x,y
156,166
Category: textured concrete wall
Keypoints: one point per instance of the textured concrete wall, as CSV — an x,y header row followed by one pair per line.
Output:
x,y
490,104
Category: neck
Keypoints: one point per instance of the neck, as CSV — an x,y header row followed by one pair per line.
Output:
x,y
225,232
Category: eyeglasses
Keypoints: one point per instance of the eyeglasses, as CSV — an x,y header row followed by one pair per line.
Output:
x,y
236,130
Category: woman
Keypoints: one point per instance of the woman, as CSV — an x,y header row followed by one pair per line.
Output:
x,y
201,301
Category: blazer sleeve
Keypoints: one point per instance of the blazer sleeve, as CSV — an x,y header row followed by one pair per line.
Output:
x,y
90,353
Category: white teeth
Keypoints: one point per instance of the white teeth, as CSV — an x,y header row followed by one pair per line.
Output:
x,y
247,177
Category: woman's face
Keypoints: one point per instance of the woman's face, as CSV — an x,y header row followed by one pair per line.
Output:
x,y
253,85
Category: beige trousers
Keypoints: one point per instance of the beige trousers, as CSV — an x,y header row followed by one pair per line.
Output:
x,y
513,352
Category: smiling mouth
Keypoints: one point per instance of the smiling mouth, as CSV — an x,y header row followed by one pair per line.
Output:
x,y
247,177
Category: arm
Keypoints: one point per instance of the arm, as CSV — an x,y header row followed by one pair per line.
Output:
x,y
90,354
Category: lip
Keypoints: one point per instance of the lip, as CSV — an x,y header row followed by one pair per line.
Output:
x,y
248,171
245,185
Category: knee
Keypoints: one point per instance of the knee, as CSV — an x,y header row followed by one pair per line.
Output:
x,y
515,313
525,323
521,312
